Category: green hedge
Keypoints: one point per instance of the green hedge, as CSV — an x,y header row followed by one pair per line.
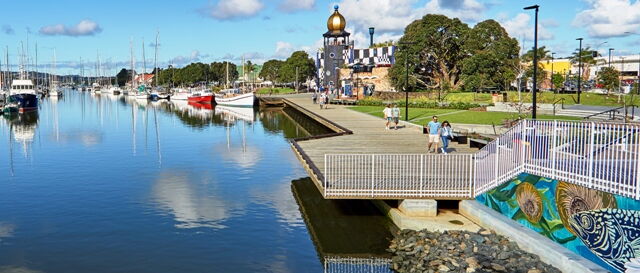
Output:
x,y
419,103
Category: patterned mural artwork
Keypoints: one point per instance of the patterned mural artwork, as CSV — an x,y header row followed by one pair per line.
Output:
x,y
599,226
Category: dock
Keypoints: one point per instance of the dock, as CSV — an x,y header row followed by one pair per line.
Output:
x,y
270,101
358,133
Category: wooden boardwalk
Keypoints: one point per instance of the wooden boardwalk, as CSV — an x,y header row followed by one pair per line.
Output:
x,y
368,136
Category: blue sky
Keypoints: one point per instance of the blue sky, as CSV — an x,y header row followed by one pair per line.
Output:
x,y
201,30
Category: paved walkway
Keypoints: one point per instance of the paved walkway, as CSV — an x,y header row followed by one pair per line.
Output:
x,y
369,135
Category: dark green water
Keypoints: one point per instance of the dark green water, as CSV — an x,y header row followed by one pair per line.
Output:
x,y
107,184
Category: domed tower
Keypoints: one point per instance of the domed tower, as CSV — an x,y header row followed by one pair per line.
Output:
x,y
336,40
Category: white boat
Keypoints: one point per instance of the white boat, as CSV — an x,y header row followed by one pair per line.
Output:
x,y
233,97
114,90
181,95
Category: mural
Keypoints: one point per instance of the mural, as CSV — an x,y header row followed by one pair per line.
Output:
x,y
599,226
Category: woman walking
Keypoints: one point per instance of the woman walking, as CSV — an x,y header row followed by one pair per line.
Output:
x,y
446,134
322,100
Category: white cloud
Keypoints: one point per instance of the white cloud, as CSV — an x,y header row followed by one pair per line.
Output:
x,y
296,5
234,9
84,28
195,56
521,26
609,18
283,50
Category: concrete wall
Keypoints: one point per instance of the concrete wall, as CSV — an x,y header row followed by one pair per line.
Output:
x,y
598,226
378,77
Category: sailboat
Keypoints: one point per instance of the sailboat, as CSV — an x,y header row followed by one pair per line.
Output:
x,y
54,89
235,96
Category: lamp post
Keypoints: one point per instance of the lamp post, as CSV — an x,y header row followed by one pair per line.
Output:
x,y
610,49
406,80
535,60
579,69
552,61
371,31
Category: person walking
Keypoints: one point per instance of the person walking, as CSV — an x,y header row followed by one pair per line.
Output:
x,y
322,99
388,115
314,98
446,134
395,114
433,129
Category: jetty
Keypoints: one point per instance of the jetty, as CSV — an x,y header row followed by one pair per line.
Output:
x,y
363,160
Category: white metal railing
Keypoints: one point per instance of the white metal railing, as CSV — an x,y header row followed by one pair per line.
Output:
x,y
601,156
398,175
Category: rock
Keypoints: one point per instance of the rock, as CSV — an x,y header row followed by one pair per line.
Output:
x,y
461,251
498,267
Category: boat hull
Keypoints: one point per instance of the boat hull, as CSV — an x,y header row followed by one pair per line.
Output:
x,y
244,100
25,102
200,99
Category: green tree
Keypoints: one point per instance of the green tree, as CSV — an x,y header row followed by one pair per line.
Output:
x,y
271,70
218,72
436,55
609,77
588,56
558,80
493,57
123,76
301,61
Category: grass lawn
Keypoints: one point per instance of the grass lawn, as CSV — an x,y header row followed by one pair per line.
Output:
x,y
276,91
423,115
543,97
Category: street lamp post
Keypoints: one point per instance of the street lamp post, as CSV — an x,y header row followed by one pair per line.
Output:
x,y
610,49
406,80
552,61
579,69
535,60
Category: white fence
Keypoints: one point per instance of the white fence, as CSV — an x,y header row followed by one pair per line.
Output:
x,y
601,156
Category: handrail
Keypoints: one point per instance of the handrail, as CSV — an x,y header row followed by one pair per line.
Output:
x,y
561,100
613,111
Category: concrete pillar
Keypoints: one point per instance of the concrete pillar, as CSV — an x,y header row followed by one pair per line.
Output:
x,y
419,207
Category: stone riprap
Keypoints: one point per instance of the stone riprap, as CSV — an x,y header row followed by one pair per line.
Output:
x,y
461,251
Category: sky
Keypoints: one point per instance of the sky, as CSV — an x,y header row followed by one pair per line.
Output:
x,y
226,30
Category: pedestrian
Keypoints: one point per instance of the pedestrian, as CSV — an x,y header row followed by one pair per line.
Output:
x,y
326,100
388,115
433,128
322,99
446,135
314,98
395,114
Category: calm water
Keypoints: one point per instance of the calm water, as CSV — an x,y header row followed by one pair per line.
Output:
x,y
107,184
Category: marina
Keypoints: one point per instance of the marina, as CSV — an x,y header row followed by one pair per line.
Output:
x,y
210,183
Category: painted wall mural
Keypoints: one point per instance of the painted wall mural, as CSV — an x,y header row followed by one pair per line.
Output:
x,y
599,226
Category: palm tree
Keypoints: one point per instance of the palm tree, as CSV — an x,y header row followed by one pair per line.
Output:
x,y
543,54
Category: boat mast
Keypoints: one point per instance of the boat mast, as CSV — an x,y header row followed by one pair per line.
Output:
x,y
226,83
155,61
243,76
36,68
144,65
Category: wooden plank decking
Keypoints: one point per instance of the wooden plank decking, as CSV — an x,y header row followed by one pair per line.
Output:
x,y
368,136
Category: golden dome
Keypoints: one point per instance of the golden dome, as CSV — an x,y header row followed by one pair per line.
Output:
x,y
336,22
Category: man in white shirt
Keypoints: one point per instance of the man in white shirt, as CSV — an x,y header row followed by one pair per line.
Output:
x,y
388,115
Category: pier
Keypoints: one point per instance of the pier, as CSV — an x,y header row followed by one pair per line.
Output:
x,y
362,160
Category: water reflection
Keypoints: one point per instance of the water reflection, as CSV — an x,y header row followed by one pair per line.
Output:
x,y
192,205
337,229
6,230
